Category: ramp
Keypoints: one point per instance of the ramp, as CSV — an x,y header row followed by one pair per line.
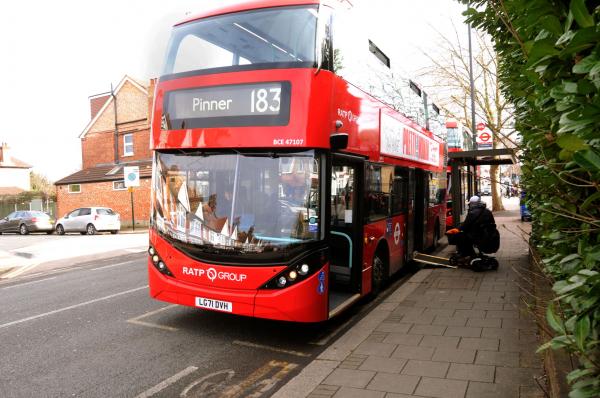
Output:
x,y
432,260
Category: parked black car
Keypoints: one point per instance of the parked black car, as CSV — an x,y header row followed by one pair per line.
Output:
x,y
24,222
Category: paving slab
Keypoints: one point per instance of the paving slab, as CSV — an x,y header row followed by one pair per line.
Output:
x,y
443,334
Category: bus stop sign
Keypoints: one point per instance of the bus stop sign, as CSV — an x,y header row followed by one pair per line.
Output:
x,y
131,176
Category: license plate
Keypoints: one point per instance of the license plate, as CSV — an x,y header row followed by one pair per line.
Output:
x,y
213,304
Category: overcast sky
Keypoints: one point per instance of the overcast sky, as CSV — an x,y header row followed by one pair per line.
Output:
x,y
55,54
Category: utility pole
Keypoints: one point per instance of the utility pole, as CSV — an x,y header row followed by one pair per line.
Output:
x,y
473,128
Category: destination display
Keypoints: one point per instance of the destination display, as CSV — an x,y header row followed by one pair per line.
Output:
x,y
260,104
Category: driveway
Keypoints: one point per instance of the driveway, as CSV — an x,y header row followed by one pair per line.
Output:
x,y
36,253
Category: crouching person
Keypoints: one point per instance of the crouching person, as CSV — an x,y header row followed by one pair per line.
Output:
x,y
475,230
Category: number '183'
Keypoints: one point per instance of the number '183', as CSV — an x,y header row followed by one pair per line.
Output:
x,y
263,100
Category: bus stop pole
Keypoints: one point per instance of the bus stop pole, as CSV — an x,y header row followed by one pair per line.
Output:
x,y
132,211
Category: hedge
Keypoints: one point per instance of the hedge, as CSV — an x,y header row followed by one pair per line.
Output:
x,y
549,66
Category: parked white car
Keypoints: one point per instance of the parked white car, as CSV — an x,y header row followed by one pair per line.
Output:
x,y
89,220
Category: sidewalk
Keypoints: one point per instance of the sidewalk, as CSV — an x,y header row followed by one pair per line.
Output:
x,y
446,333
48,252
10,262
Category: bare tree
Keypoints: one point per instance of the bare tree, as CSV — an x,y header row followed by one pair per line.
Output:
x,y
447,79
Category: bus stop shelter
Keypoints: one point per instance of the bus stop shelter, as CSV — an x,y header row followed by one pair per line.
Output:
x,y
469,160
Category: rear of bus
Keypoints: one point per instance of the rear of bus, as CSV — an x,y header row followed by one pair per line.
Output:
x,y
238,132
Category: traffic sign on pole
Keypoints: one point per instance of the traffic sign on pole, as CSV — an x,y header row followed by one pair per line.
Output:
x,y
131,176
484,138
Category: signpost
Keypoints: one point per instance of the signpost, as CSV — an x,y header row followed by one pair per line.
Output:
x,y
484,137
131,177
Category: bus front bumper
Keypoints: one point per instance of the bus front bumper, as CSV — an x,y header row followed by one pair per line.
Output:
x,y
305,301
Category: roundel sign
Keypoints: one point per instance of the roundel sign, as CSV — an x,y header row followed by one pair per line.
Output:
x,y
131,176
484,138
480,126
397,233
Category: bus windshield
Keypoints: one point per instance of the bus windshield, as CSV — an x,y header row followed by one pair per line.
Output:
x,y
251,206
273,37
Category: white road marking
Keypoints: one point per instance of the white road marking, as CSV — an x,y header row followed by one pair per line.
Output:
x,y
28,283
113,265
166,383
5,325
266,347
137,321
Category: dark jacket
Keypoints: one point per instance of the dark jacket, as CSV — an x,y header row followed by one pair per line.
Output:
x,y
477,216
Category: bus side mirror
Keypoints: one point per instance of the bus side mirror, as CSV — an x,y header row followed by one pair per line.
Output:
x,y
338,141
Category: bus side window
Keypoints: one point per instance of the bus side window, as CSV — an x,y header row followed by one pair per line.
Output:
x,y
379,185
433,190
399,193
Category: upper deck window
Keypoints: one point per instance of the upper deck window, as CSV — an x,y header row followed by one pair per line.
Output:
x,y
272,37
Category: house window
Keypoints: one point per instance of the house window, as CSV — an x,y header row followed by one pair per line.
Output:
x,y
128,145
119,185
74,188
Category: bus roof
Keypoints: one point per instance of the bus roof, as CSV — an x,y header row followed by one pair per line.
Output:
x,y
245,6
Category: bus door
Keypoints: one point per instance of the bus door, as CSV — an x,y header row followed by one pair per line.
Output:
x,y
408,181
400,206
421,197
345,236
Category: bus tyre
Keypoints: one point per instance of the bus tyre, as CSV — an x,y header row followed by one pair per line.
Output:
x,y
23,229
60,229
90,229
378,276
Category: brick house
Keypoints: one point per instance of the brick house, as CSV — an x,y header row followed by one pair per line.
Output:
x,y
14,173
117,135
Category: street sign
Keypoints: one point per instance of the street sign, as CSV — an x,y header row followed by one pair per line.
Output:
x,y
484,138
480,126
131,176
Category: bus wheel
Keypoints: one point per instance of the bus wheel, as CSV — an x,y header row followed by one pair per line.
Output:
x,y
378,275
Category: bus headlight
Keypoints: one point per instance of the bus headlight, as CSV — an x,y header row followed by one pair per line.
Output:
x,y
281,281
158,263
298,271
303,270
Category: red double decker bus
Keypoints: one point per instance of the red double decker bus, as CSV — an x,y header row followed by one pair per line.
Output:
x,y
281,188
